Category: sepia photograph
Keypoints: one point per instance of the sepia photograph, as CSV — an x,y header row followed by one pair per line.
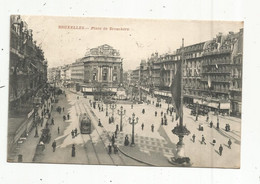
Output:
x,y
125,92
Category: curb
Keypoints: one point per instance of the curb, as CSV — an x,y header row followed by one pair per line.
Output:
x,y
136,158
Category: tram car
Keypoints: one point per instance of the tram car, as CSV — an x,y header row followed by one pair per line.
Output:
x,y
85,124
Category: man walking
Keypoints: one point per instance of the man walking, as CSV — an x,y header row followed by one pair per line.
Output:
x,y
203,140
229,143
193,138
142,126
52,121
58,130
76,132
53,146
73,151
152,127
211,124
220,149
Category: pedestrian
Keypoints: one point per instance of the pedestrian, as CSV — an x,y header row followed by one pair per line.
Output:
x,y
220,150
152,127
73,151
214,141
229,143
64,117
72,133
53,146
165,121
142,126
160,105
113,139
193,138
63,109
68,116
76,132
117,127
115,134
207,118
58,130
203,140
161,121
109,148
115,149
161,113
99,123
132,106
143,111
52,121
126,143
155,113
211,124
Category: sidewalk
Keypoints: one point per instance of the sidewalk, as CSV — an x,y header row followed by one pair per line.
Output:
x,y
64,139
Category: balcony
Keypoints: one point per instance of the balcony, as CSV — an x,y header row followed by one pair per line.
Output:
x,y
235,89
217,72
216,63
216,80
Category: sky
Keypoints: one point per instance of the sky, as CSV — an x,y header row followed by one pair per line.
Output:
x,y
138,41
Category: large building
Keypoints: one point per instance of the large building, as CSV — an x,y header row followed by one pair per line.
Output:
x,y
28,67
27,79
212,73
101,70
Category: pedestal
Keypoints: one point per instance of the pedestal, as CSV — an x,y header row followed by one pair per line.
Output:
x,y
180,159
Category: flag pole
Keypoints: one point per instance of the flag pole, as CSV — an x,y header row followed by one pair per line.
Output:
x,y
180,130
181,105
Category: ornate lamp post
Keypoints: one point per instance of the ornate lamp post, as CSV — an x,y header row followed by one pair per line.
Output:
x,y
133,122
121,113
106,109
113,106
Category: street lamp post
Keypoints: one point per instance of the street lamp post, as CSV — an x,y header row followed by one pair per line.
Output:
x,y
133,122
121,113
106,109
113,106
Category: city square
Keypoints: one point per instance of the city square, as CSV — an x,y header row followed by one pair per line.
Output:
x,y
180,108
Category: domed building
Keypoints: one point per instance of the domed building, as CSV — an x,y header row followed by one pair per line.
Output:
x,y
99,72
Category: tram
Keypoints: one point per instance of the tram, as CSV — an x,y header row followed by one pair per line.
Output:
x,y
85,124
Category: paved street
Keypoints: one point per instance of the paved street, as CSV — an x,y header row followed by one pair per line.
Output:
x,y
151,148
156,147
90,149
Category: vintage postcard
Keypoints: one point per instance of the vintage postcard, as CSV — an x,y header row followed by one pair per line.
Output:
x,y
127,92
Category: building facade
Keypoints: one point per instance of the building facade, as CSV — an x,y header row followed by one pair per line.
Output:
x,y
212,73
100,70
28,67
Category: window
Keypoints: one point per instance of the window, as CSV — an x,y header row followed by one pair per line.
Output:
x,y
114,77
94,78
